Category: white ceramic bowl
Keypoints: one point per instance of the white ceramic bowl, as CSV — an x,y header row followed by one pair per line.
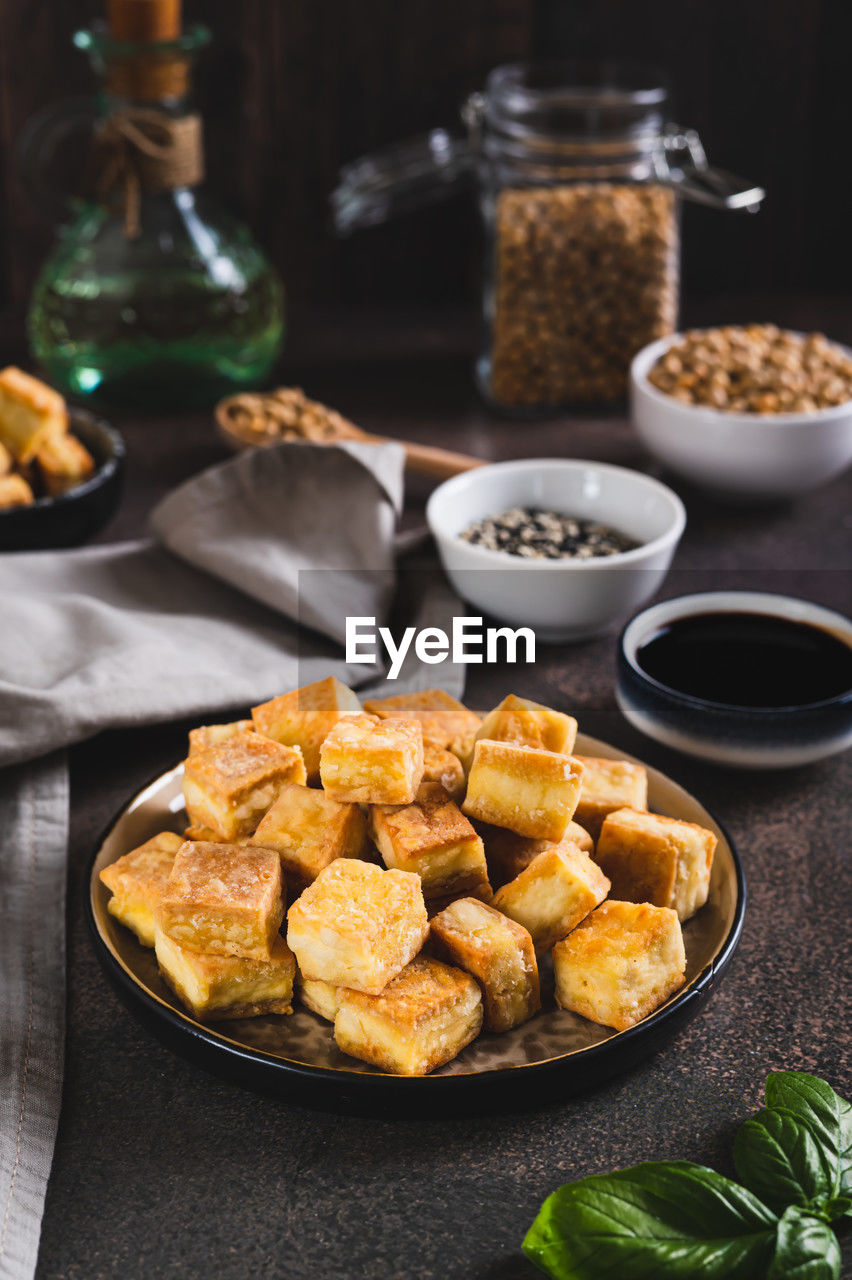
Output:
x,y
559,599
749,455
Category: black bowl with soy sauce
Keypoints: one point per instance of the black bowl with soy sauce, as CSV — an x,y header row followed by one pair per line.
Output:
x,y
741,678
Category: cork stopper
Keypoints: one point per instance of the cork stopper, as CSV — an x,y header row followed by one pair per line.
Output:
x,y
147,77
140,20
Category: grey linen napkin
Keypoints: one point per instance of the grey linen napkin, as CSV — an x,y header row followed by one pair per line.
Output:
x,y
210,615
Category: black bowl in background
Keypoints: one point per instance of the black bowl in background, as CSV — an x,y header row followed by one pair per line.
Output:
x,y
78,514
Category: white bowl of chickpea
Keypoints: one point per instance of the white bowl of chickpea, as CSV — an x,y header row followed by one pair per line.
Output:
x,y
752,412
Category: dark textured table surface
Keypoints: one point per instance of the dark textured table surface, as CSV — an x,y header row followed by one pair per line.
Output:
x,y
162,1170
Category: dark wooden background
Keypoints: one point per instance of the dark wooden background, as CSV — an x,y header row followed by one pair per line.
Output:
x,y
293,88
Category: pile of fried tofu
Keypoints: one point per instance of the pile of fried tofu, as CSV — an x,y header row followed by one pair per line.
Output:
x,y
387,830
39,456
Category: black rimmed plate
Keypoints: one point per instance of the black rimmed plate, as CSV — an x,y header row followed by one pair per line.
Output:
x,y
555,1054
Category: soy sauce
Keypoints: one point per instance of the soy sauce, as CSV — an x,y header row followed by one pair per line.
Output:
x,y
748,660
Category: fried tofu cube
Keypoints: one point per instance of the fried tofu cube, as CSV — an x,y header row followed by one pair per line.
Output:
x,y
440,765
357,925
206,836
320,997
305,717
137,881
30,413
216,987
507,854
210,735
620,964
495,951
422,1019
482,892
229,787
63,463
530,724
365,760
609,785
223,899
432,837
15,492
553,894
309,830
445,721
659,860
530,791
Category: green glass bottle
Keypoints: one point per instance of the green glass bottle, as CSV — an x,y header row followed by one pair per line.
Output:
x,y
153,296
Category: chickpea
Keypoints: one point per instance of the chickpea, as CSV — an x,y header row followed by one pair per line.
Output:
x,y
585,276
756,369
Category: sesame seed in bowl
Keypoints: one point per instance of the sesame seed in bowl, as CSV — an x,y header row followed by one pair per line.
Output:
x,y
534,534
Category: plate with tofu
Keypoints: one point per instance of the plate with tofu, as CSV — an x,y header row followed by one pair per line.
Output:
x,y
408,901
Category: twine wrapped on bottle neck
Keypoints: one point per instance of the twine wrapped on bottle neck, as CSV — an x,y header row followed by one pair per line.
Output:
x,y
138,149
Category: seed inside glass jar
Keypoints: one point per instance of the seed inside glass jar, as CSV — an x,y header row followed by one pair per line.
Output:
x,y
536,534
585,275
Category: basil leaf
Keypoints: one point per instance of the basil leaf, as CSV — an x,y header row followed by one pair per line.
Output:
x,y
807,1249
814,1103
777,1157
845,1116
655,1220
836,1208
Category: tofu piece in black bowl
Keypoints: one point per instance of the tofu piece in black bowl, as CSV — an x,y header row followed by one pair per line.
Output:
x,y
72,517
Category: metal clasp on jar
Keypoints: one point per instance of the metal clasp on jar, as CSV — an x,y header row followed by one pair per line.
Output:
x,y
472,114
697,180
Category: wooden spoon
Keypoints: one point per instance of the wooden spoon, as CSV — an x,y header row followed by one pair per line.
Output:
x,y
255,419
